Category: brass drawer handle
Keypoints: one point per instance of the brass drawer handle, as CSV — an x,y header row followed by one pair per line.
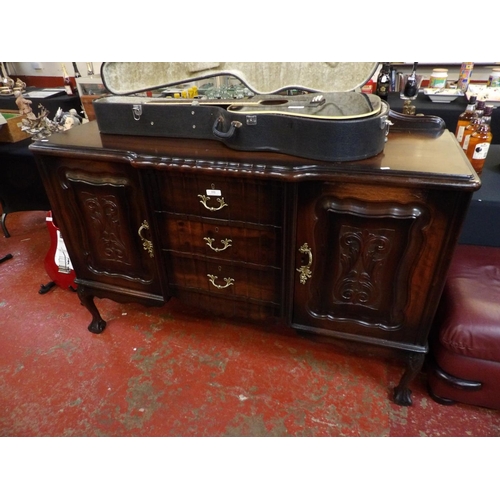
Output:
x,y
212,278
227,243
305,271
205,199
147,244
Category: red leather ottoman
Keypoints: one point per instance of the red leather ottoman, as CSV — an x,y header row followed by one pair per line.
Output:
x,y
464,344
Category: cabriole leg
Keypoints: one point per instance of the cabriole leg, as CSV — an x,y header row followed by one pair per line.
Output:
x,y
402,394
97,324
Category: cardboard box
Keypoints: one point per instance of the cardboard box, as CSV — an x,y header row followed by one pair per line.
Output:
x,y
10,132
88,106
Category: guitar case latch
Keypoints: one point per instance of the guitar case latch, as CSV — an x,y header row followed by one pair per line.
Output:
x,y
137,111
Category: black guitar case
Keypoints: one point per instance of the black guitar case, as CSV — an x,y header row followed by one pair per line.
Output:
x,y
326,119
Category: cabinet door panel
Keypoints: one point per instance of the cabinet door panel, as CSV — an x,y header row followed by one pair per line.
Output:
x,y
104,211
363,258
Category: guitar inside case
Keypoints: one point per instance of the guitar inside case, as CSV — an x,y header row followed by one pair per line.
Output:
x,y
303,125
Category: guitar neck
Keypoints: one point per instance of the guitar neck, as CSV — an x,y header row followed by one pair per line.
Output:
x,y
213,102
330,106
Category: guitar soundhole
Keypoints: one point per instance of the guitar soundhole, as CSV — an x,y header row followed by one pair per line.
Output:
x,y
268,102
273,102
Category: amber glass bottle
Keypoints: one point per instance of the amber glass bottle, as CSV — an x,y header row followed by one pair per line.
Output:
x,y
465,118
475,122
479,142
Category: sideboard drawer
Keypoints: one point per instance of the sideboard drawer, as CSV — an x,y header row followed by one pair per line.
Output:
x,y
228,279
221,239
235,307
221,198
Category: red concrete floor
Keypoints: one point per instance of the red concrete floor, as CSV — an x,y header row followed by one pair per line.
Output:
x,y
175,372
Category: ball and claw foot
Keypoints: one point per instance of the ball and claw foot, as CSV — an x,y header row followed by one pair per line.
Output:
x,y
97,326
402,394
402,397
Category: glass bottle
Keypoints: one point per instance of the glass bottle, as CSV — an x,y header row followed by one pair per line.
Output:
x,y
411,87
465,118
384,81
75,69
478,114
480,141
67,81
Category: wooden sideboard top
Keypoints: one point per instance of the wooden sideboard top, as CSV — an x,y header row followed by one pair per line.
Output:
x,y
407,157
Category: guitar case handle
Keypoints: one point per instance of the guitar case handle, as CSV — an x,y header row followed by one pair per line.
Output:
x,y
229,133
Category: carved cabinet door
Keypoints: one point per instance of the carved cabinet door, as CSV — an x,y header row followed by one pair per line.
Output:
x,y
360,255
105,224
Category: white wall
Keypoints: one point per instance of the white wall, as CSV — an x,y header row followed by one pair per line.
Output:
x,y
481,70
49,68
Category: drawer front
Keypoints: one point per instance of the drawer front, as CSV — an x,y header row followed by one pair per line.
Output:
x,y
220,239
225,279
221,198
234,307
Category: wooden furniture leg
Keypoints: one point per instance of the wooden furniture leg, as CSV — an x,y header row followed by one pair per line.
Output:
x,y
402,394
97,324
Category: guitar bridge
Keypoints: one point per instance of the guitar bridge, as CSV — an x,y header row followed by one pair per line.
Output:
x,y
318,99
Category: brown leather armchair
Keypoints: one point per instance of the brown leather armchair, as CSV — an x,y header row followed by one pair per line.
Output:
x,y
464,364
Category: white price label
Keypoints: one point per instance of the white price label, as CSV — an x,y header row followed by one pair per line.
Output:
x,y
481,151
213,192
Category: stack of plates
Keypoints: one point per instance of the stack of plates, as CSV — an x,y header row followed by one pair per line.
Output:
x,y
443,95
489,94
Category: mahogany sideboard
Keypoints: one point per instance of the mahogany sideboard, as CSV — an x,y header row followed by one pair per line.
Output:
x,y
356,250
